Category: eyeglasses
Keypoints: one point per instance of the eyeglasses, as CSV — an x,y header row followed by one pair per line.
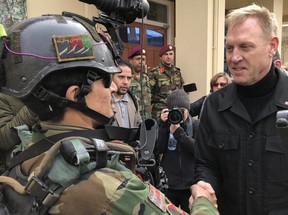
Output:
x,y
219,84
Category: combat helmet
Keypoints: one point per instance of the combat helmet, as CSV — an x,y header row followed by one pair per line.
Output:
x,y
47,44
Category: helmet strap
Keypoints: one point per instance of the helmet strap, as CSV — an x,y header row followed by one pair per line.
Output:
x,y
49,97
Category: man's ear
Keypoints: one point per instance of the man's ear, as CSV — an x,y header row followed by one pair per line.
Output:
x,y
278,63
72,92
274,46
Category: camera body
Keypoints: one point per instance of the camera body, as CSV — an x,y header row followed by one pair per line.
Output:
x,y
175,115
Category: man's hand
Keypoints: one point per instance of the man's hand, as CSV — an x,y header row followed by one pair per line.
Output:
x,y
202,189
164,114
173,128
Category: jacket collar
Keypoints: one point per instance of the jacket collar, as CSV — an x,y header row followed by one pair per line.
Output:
x,y
229,95
281,91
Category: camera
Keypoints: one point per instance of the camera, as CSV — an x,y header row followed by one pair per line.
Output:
x,y
124,10
116,13
175,115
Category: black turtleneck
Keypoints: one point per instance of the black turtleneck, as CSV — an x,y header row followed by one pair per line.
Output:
x,y
256,96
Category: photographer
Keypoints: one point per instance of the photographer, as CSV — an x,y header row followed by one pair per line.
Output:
x,y
176,144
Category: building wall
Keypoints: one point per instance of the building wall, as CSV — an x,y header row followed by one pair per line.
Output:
x,y
200,41
40,7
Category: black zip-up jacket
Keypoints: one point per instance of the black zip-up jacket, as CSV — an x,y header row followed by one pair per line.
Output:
x,y
244,159
196,107
179,163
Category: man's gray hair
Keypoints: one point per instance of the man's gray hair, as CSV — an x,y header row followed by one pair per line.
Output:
x,y
267,19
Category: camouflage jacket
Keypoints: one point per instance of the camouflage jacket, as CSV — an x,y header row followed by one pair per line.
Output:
x,y
141,88
202,206
110,190
163,80
12,113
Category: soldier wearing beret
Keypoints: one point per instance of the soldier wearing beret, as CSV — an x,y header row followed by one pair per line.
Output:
x,y
164,78
140,81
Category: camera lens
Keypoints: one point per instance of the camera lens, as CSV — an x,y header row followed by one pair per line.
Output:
x,y
175,116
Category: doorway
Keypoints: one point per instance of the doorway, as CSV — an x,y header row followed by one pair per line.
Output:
x,y
152,38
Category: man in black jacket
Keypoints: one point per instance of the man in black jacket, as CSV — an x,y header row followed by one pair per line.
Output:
x,y
238,148
176,144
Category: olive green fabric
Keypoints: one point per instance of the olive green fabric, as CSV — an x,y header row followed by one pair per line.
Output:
x,y
142,91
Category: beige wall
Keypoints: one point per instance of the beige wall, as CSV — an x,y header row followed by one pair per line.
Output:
x,y
40,7
200,41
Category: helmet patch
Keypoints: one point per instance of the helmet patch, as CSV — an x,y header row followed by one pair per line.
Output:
x,y
73,47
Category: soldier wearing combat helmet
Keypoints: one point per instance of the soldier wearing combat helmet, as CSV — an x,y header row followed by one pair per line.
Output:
x,y
140,81
164,78
61,68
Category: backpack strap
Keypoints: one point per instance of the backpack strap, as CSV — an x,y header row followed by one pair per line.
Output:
x,y
46,143
133,98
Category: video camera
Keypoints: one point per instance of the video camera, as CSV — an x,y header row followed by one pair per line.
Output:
x,y
122,10
175,115
116,13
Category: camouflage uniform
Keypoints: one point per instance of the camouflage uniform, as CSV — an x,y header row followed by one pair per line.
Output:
x,y
102,191
135,88
12,113
12,12
202,206
163,80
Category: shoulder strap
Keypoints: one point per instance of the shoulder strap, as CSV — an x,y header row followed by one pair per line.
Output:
x,y
190,126
133,98
45,144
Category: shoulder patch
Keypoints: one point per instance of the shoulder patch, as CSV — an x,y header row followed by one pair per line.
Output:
x,y
157,198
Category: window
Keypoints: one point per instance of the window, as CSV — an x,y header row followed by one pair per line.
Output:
x,y
157,12
154,38
130,35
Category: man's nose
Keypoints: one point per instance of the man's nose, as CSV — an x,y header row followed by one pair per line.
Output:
x,y
113,87
236,56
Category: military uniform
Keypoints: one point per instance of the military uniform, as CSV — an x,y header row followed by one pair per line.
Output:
x,y
163,80
12,113
99,191
202,206
145,101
